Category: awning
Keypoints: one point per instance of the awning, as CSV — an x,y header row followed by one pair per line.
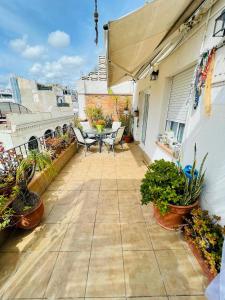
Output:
x,y
132,39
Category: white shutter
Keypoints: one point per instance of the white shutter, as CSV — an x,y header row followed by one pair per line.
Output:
x,y
179,96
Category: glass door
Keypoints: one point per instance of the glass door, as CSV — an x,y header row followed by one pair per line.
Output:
x,y
145,118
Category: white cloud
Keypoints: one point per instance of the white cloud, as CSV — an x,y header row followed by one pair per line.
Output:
x,y
65,70
33,52
59,39
21,46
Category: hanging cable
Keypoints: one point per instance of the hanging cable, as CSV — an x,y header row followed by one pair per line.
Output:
x,y
96,22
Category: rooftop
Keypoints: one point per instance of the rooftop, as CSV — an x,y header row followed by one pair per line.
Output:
x,y
97,241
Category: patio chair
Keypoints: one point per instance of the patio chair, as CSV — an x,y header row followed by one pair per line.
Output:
x,y
112,141
86,126
86,142
115,126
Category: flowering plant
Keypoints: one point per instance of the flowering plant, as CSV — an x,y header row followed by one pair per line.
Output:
x,y
100,122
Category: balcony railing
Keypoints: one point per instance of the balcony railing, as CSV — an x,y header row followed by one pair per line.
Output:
x,y
63,104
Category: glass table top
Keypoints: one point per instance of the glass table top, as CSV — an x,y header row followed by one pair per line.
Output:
x,y
96,132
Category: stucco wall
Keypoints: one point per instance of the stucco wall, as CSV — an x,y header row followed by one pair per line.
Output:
x,y
207,132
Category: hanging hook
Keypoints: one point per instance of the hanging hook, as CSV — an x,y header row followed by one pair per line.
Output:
x,y
96,22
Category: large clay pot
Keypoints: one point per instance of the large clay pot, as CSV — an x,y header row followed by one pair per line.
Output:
x,y
175,217
31,219
128,139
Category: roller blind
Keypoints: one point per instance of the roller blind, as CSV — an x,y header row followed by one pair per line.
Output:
x,y
179,96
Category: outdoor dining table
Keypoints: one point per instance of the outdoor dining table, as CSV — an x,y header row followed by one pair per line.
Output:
x,y
99,136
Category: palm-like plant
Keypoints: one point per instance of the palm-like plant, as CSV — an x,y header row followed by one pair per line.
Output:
x,y
194,183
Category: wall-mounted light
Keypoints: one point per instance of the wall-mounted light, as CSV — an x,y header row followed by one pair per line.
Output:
x,y
154,75
219,27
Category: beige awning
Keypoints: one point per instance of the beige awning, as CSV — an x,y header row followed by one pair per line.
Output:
x,y
133,38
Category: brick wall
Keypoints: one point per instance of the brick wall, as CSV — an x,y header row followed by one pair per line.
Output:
x,y
108,103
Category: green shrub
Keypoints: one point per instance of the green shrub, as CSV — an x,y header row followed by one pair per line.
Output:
x,y
163,184
207,236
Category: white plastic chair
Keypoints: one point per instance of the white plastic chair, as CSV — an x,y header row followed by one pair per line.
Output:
x,y
86,127
86,142
112,141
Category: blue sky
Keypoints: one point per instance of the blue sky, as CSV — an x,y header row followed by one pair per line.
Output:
x,y
53,40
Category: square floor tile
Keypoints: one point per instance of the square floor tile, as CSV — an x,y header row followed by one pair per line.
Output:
x,y
69,275
178,273
131,214
83,215
163,239
31,279
107,236
60,214
78,237
73,185
104,216
91,185
126,184
106,276
48,237
142,274
67,197
9,262
108,185
135,237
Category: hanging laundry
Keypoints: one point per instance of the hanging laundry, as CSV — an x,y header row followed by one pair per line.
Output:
x,y
208,82
201,74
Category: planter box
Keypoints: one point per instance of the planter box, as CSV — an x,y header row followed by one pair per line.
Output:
x,y
42,180
204,266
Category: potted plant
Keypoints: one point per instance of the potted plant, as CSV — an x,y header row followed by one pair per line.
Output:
x,y
126,121
27,206
126,108
136,113
205,237
100,124
173,193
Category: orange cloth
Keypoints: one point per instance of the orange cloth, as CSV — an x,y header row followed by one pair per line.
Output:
x,y
208,85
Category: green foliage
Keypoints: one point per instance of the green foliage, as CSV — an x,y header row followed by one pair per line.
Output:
x,y
193,186
108,121
6,217
126,121
39,159
207,235
3,201
94,113
163,184
76,122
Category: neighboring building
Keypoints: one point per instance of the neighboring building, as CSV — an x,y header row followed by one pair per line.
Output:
x,y
163,61
92,90
40,109
6,95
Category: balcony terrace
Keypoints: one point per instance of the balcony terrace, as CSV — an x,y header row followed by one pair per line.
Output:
x,y
97,241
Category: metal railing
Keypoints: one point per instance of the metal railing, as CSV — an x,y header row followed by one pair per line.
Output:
x,y
16,154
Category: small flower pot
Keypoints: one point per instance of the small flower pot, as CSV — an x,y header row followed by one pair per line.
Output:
x,y
31,219
174,219
100,128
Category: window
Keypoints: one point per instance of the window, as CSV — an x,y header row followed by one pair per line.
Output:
x,y
177,128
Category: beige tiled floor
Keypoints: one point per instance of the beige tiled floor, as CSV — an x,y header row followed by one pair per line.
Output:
x,y
97,242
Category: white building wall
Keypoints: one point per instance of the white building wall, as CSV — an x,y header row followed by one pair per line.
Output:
x,y
207,132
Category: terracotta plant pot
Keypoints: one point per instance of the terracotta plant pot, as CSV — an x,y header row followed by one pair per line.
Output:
x,y
128,139
31,219
203,264
174,218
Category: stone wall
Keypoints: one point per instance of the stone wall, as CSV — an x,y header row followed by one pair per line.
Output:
x,y
108,103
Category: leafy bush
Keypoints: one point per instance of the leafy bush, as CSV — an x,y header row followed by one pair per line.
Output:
x,y
166,183
94,113
207,235
163,184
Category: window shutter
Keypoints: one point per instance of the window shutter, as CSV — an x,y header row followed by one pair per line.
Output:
x,y
179,96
